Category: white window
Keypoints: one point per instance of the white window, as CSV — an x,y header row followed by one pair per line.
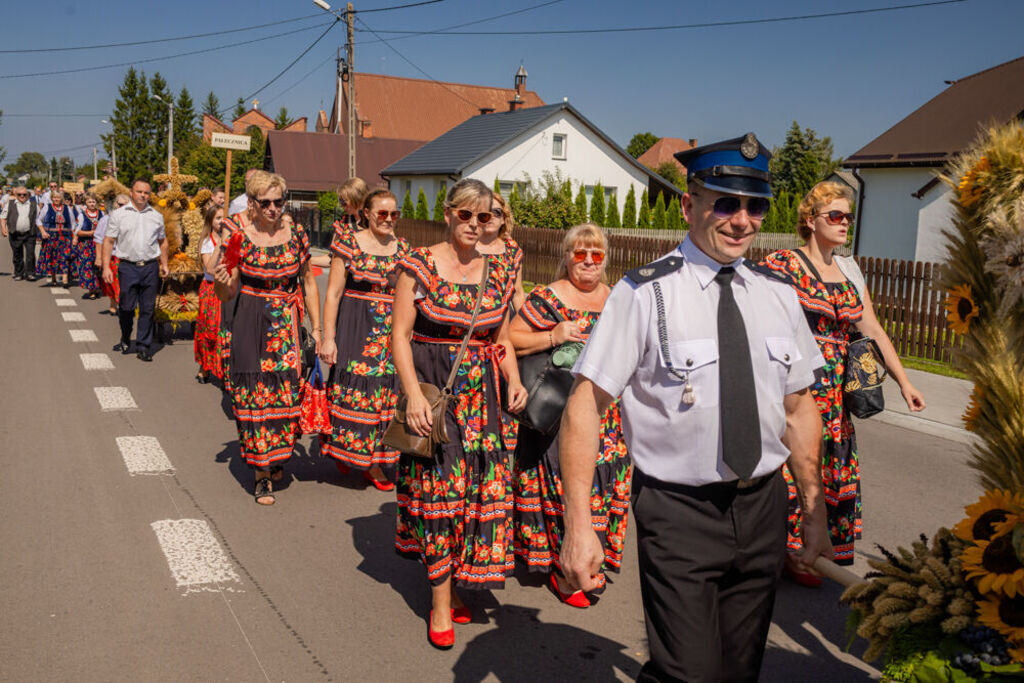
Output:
x,y
558,146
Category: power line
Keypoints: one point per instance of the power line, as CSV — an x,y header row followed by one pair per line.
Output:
x,y
676,27
158,59
439,31
71,149
388,9
296,83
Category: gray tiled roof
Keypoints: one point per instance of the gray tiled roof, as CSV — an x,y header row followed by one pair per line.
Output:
x,y
452,152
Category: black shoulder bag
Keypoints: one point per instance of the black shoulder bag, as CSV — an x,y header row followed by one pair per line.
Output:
x,y
865,368
547,376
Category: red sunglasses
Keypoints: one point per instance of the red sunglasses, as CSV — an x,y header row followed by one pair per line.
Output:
x,y
481,218
383,215
580,255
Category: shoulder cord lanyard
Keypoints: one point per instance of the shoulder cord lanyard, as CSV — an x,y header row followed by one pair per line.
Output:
x,y
682,375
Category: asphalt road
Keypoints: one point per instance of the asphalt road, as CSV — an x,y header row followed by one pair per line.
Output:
x,y
178,575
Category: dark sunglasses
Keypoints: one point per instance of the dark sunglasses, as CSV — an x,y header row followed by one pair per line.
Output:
x,y
580,255
482,217
727,207
383,215
836,217
265,203
21,194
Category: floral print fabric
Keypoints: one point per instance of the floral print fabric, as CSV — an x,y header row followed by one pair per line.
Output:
x,y
265,375
207,330
85,255
831,309
455,510
361,385
57,255
537,483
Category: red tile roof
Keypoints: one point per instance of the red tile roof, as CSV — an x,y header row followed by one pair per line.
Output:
x,y
664,150
414,109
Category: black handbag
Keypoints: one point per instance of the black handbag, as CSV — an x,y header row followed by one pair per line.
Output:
x,y
547,376
862,381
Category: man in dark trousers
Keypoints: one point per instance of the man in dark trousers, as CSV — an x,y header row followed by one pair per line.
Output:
x,y
135,234
18,222
713,360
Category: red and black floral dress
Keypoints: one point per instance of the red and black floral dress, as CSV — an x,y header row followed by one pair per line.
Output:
x,y
207,321
361,386
831,309
265,374
455,511
537,482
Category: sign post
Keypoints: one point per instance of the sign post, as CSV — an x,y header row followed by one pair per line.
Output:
x,y
230,142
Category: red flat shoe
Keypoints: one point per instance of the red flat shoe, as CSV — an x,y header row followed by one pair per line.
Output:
x,y
577,599
377,483
804,579
461,615
342,467
442,640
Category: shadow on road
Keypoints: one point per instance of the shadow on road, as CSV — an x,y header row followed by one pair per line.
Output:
x,y
567,652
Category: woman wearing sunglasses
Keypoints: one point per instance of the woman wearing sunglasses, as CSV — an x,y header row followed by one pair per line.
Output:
x,y
357,340
265,372
497,240
835,308
455,510
562,312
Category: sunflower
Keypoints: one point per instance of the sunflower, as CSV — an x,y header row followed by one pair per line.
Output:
x,y
1005,615
993,508
996,567
970,415
1005,260
969,187
960,308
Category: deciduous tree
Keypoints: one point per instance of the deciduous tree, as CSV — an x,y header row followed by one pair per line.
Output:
x,y
803,160
32,164
640,143
207,163
670,172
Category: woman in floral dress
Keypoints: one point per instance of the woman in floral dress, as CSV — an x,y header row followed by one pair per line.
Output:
x,y
834,309
455,510
497,240
357,341
266,377
208,318
56,257
85,248
351,195
563,312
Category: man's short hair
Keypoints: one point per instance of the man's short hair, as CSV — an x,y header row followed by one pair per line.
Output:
x,y
140,179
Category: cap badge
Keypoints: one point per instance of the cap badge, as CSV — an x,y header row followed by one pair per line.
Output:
x,y
749,147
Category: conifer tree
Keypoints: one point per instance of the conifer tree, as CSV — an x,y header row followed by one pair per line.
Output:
x,y
132,132
408,210
581,205
439,206
643,220
611,214
186,136
422,210
597,205
283,118
239,108
515,200
158,117
629,209
673,217
658,219
497,186
212,105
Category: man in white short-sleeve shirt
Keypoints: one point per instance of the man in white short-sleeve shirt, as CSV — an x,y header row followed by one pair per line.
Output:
x,y
712,360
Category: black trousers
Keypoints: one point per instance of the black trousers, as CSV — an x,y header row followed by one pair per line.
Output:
x,y
23,244
710,559
139,285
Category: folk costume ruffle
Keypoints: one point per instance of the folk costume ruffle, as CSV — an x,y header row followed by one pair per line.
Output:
x,y
455,511
831,308
361,385
537,481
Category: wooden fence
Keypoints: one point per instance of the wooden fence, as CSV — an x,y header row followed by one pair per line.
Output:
x,y
905,296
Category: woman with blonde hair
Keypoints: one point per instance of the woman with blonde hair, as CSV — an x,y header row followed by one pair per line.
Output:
x,y
351,195
208,317
455,510
265,370
497,241
837,305
560,316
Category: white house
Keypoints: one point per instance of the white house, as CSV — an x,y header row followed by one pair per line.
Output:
x,y
520,146
902,207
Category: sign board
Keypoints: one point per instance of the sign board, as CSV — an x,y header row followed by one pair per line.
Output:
x,y
93,182
239,143
74,187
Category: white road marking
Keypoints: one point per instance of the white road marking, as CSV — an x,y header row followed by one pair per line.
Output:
x,y
83,336
195,559
143,455
115,398
60,290
73,317
96,361
65,302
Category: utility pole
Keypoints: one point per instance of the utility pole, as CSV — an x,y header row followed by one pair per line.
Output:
x,y
350,17
337,104
94,173
170,133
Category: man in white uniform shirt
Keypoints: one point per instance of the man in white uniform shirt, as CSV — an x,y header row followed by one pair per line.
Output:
x,y
713,361
240,203
135,234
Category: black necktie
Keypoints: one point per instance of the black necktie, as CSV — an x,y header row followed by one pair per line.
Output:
x,y
740,424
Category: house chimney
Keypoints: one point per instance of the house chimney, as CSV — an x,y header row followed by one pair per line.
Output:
x,y
486,110
514,103
366,129
520,82
693,142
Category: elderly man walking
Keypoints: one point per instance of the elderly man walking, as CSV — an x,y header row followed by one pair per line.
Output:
x,y
135,234
18,222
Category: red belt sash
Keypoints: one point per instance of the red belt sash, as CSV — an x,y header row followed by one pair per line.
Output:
x,y
495,353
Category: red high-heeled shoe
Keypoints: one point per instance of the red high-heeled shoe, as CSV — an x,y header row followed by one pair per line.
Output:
x,y
461,615
577,599
442,640
384,485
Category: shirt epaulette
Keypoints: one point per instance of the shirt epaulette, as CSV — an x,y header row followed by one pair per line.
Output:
x,y
655,270
765,270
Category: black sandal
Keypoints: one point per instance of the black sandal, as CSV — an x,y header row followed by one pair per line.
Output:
x,y
277,472
264,490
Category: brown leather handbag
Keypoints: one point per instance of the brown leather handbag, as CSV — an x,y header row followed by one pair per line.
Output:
x,y
399,435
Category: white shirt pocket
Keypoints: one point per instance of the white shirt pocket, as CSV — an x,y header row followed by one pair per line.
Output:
x,y
697,360
783,352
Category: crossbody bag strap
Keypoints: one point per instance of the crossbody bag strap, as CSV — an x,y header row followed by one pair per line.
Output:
x,y
472,323
810,266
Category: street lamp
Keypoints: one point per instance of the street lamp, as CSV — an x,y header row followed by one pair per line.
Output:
x,y
170,129
113,146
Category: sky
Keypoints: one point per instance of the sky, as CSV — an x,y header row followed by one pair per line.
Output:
x,y
848,77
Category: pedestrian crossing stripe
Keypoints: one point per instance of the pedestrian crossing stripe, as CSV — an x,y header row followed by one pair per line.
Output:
x,y
195,558
73,317
65,302
144,455
83,336
60,290
96,361
115,398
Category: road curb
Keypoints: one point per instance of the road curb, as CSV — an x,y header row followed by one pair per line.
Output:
x,y
920,424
